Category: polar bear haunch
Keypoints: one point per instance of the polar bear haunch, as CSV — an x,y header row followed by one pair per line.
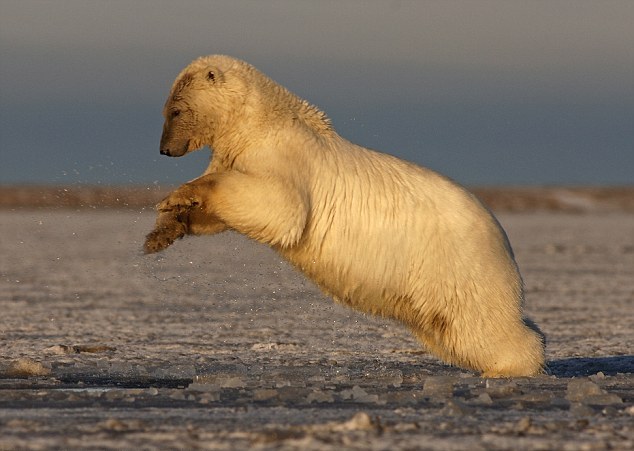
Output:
x,y
379,234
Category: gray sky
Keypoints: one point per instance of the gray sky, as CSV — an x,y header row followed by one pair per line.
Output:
x,y
487,92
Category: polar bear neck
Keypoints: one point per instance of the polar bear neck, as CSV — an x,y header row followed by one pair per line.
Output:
x,y
268,109
274,98
284,104
304,111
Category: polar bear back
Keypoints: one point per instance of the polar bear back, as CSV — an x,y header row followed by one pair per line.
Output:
x,y
380,225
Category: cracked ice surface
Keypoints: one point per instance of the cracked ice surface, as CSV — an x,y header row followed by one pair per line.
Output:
x,y
218,343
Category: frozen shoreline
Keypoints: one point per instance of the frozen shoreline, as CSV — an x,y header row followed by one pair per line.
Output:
x,y
570,199
217,343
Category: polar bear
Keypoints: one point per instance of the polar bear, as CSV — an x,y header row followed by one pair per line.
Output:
x,y
376,233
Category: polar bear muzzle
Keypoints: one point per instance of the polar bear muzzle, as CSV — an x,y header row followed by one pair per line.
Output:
x,y
171,145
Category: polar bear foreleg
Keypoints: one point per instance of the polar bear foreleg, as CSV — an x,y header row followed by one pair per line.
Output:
x,y
262,208
177,220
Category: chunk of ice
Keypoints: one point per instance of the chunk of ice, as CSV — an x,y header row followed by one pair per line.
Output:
x,y
320,396
359,395
438,386
579,389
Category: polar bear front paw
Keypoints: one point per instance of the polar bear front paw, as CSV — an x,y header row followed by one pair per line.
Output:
x,y
184,198
163,236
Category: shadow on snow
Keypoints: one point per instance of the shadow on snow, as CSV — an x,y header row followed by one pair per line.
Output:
x,y
587,366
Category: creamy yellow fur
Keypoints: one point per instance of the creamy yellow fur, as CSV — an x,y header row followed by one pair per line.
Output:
x,y
376,233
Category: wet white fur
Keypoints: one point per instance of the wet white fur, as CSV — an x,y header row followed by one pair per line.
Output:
x,y
376,233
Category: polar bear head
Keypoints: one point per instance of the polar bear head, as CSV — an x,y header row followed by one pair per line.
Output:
x,y
204,96
220,98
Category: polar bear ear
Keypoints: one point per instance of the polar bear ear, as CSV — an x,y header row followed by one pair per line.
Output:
x,y
213,74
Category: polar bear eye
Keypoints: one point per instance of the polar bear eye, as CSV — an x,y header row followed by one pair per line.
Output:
x,y
211,76
175,113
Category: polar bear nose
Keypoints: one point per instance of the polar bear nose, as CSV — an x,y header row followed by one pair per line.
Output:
x,y
165,151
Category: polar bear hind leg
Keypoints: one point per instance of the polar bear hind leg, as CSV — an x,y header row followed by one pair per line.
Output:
x,y
515,351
